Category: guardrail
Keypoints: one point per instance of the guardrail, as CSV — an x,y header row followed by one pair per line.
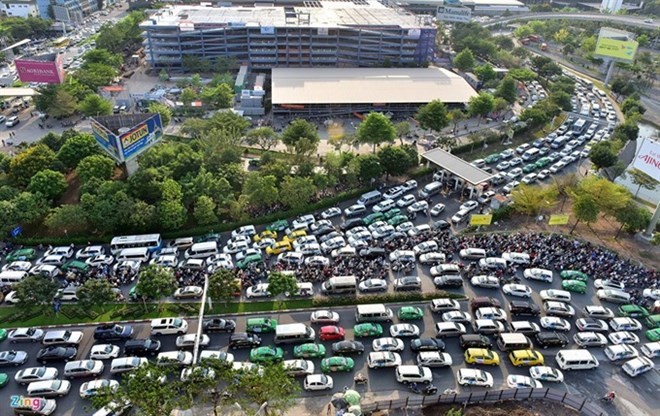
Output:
x,y
574,402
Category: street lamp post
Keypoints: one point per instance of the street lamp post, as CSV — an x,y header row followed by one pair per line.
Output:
x,y
200,319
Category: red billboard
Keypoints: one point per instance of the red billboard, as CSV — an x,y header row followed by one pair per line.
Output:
x,y
40,70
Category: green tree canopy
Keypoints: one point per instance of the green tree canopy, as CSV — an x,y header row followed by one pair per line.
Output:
x,y
633,218
102,56
34,291
299,129
585,209
481,105
485,73
433,116
532,200
279,283
95,292
263,137
29,162
156,282
48,183
164,111
223,285
95,166
507,89
204,212
261,191
394,160
296,192
76,148
94,105
602,155
369,168
376,129
63,104
71,218
464,60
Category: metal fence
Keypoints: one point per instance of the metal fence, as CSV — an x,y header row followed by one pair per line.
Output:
x,y
574,402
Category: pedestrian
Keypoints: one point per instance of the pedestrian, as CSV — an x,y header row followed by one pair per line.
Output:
x,y
3,142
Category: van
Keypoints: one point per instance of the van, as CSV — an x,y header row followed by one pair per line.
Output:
x,y
202,250
140,254
370,198
402,256
430,189
531,154
638,366
294,334
558,143
613,295
49,388
555,295
472,253
11,277
651,349
36,408
373,313
621,352
167,326
182,243
339,284
576,360
511,342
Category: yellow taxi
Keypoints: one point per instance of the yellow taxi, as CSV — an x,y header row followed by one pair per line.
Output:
x,y
527,358
294,235
481,356
264,234
279,247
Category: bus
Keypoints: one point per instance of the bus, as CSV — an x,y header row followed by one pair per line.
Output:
x,y
152,242
579,127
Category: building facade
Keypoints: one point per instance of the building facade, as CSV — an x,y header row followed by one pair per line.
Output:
x,y
611,6
19,8
332,34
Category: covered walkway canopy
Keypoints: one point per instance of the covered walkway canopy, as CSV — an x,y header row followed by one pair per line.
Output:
x,y
457,166
17,92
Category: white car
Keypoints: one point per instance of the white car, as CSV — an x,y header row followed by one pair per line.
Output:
x,y
505,154
372,285
302,222
536,273
522,382
188,341
514,289
316,382
597,311
493,313
651,294
17,266
515,162
503,165
591,324
623,337
625,324
104,352
404,330
419,230
317,261
460,216
544,373
474,377
331,213
188,292
444,305
89,251
393,193
554,308
299,368
167,260
383,359
432,258
11,298
425,247
543,175
554,323
324,317
510,187
92,388
30,374
418,206
409,185
516,258
384,205
469,206
405,201
259,290
382,231
387,344
608,284
174,358
457,316
488,282
354,210
100,260
264,243
437,209
486,197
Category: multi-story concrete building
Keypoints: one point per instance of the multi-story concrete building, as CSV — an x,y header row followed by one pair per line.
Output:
x,y
357,33
19,8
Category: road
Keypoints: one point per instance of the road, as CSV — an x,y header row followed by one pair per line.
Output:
x,y
625,20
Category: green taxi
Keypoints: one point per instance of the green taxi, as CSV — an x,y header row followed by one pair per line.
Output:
x,y
529,168
372,218
653,334
208,237
75,265
574,275
652,321
4,379
543,162
279,225
310,350
409,313
246,261
394,212
3,334
493,158
261,325
367,330
23,254
399,219
338,363
633,311
266,354
575,286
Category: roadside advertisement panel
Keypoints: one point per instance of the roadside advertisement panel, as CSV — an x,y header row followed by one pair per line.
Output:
x,y
481,219
454,14
141,137
622,50
107,140
648,158
558,220
39,71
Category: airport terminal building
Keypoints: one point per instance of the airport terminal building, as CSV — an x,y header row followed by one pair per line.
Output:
x,y
355,33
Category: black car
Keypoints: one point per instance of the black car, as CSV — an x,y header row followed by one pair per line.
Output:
x,y
141,347
218,325
441,225
372,253
474,341
352,223
347,347
323,230
427,344
551,340
244,340
518,307
55,353
113,332
484,302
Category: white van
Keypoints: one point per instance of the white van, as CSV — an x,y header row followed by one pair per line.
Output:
x,y
294,334
651,349
340,284
511,342
447,269
430,189
613,295
402,256
638,366
167,326
449,329
472,253
531,154
621,352
140,254
373,313
370,198
576,360
556,295
11,277
202,250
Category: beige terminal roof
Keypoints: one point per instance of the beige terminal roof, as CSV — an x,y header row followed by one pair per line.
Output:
x,y
368,86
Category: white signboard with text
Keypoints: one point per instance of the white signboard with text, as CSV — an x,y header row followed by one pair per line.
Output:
x,y
648,158
454,14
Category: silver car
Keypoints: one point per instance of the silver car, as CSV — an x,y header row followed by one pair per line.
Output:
x,y
26,335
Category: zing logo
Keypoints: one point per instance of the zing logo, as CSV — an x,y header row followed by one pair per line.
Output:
x,y
23,402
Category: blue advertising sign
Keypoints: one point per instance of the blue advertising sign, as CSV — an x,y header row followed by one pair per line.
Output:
x,y
108,140
17,231
141,137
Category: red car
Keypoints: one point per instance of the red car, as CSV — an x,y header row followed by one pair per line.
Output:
x,y
332,333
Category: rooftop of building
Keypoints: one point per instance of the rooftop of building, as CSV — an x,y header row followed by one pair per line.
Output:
x,y
336,13
511,3
368,86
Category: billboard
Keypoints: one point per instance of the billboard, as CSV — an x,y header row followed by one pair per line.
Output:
x,y
107,140
40,70
481,219
621,50
648,158
454,14
141,137
558,220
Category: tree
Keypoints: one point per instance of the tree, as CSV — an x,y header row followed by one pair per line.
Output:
x,y
94,105
633,218
95,166
402,130
50,184
34,291
642,180
562,100
433,116
220,96
156,282
205,211
584,209
71,218
29,162
223,285
164,111
261,191
456,115
264,137
464,60
95,292
296,191
481,105
626,131
279,283
63,105
76,148
375,129
632,105
602,155
172,214
608,196
485,73
369,168
272,387
299,129
394,160
188,95
507,89
531,200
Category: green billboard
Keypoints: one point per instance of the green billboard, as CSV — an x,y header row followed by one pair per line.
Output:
x,y
620,50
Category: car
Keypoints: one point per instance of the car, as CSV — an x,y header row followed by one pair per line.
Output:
x,y
597,311
555,323
409,185
113,332
406,201
492,263
347,347
324,316
354,210
331,213
14,358
337,363
298,368
32,374
574,275
625,324
543,175
404,330
94,387
368,330
425,247
104,352
393,193
407,313
545,373
653,334
17,266
427,344
259,290
83,368
141,347
651,293
318,382
459,217
266,354
492,158
503,165
613,295
510,187
522,382
514,289
437,209
100,260
384,205
218,325
25,335
309,350
457,316
331,333
407,283
633,311
187,341
608,284
432,258
174,358
526,358
387,344
469,206
516,161
486,197
590,339
575,286
623,337
444,305
244,340
23,254
555,295
474,377
591,324
383,359
489,312
554,308
481,356
518,308
488,282
551,339
621,352
505,154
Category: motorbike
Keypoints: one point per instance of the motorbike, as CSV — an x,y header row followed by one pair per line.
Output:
x,y
360,379
427,390
607,398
